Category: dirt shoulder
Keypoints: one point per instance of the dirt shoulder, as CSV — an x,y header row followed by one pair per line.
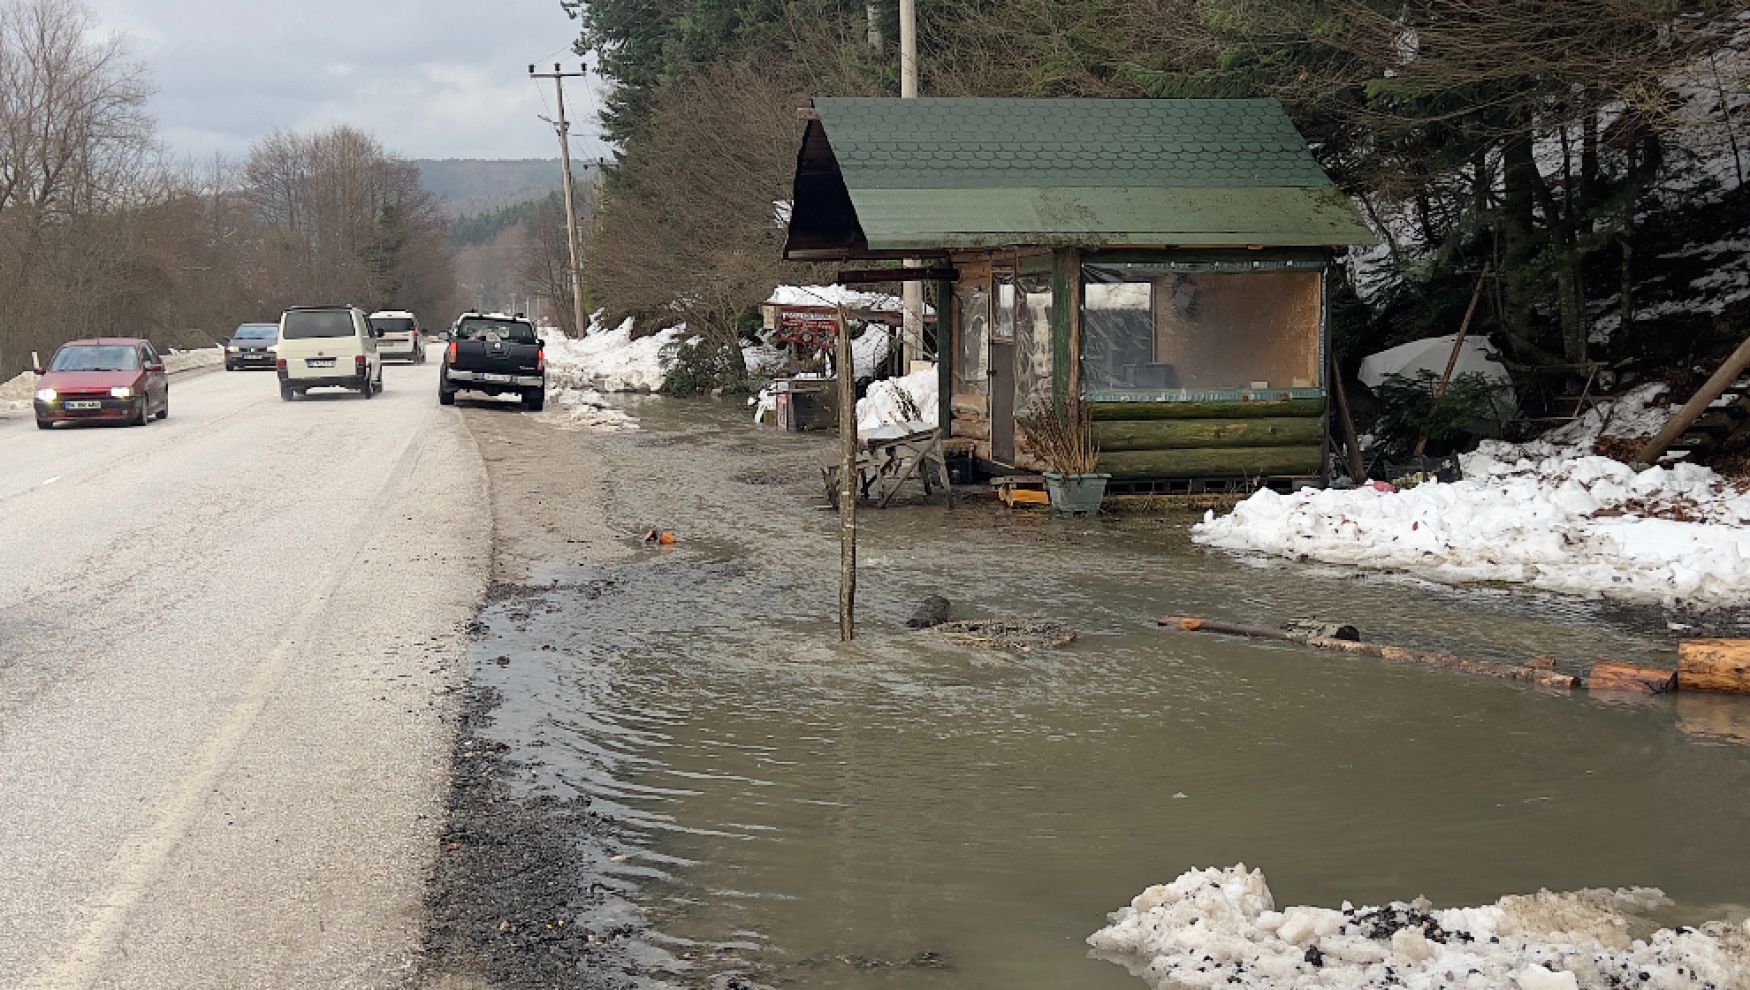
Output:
x,y
516,891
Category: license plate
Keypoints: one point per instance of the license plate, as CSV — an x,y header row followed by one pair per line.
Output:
x,y
84,404
495,378
318,362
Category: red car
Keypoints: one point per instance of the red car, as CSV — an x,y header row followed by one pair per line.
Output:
x,y
114,379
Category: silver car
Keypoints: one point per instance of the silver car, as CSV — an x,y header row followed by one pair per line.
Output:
x,y
399,336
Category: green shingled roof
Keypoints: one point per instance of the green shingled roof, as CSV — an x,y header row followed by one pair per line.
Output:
x,y
943,173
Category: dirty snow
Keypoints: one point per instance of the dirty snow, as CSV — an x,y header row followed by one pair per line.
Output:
x,y
609,359
909,402
17,393
1219,928
575,408
1548,514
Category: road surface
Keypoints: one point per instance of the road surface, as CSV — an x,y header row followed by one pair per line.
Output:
x,y
229,646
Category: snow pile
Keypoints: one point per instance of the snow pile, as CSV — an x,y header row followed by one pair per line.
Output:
x,y
580,408
870,348
610,360
16,394
1220,928
909,402
1548,514
835,295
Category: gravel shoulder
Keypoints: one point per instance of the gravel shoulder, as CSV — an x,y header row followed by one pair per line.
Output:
x,y
516,896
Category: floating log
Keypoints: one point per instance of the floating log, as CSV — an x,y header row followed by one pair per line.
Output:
x,y
1525,673
1234,409
1167,434
1213,462
1610,676
1719,665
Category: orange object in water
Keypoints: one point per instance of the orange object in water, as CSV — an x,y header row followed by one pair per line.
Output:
x,y
667,538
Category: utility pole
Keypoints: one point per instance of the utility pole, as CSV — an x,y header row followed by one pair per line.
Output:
x,y
563,126
912,321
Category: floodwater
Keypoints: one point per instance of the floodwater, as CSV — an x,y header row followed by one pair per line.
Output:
x,y
902,811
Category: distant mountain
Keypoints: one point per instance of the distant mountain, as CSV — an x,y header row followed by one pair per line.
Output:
x,y
468,186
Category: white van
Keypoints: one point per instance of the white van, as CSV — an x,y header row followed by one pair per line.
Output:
x,y
322,346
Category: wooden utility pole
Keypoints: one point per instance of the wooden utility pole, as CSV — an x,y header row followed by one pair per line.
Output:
x,y
844,362
563,126
911,346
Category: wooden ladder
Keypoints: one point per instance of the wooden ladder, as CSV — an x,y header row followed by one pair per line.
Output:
x,y
1701,427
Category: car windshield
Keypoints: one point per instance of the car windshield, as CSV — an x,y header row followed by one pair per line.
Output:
x,y
97,357
302,324
486,328
256,331
392,324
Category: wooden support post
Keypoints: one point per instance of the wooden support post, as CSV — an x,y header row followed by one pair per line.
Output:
x,y
1718,665
845,365
1609,676
1351,443
1679,424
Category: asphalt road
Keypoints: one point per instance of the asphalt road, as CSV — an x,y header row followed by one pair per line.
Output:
x,y
230,644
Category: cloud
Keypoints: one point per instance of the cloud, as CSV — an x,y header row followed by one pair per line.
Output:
x,y
428,78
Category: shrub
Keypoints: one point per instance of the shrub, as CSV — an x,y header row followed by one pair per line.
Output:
x,y
1407,409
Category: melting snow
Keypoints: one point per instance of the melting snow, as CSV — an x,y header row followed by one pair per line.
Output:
x,y
1547,514
1218,928
909,402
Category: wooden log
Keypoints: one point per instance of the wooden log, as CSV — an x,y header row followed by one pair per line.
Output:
x,y
1213,462
1610,676
1170,434
1531,673
1718,665
1236,409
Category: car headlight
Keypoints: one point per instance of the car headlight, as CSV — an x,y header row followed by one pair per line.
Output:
x,y
231,348
273,348
46,395
121,392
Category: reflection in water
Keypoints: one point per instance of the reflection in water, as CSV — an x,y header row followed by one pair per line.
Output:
x,y
897,813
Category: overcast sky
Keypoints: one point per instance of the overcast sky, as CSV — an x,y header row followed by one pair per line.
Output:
x,y
428,78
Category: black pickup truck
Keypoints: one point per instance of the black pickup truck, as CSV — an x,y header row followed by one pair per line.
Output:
x,y
496,355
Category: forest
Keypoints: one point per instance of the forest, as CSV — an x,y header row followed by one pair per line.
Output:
x,y
1582,161
102,233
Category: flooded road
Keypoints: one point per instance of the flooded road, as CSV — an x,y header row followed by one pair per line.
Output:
x,y
902,811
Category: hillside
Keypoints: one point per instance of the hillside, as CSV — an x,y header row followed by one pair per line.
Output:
x,y
466,186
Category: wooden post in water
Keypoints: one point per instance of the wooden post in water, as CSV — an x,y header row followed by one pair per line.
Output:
x,y
844,361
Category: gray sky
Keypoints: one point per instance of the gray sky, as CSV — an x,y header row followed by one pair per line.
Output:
x,y
428,78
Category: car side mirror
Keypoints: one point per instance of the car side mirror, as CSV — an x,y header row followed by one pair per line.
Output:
x,y
540,342
39,372
159,368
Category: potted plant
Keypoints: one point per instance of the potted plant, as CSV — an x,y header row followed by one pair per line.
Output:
x,y
1063,437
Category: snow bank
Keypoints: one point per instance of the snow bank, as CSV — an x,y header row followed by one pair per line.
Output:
x,y
1220,928
1549,514
610,360
582,408
911,401
835,295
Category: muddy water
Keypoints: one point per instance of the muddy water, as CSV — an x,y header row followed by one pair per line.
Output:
x,y
906,812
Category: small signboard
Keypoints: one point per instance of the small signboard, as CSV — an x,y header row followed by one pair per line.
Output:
x,y
816,327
